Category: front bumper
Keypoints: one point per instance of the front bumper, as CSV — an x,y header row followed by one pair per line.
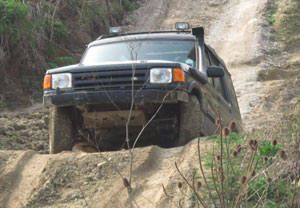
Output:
x,y
80,98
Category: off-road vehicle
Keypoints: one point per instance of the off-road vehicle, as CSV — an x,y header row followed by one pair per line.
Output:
x,y
123,81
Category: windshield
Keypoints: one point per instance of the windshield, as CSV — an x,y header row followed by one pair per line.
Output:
x,y
167,50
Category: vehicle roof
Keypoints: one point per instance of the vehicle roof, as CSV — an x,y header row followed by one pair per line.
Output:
x,y
175,35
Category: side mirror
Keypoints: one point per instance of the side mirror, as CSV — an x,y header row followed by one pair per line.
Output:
x,y
215,71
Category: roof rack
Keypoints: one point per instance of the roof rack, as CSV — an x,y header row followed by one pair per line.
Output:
x,y
141,33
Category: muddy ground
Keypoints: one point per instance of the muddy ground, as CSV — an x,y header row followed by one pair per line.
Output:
x,y
240,33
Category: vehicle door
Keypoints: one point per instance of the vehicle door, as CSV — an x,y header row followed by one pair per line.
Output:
x,y
218,98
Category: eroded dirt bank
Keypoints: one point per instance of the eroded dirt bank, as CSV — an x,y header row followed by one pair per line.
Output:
x,y
239,32
69,179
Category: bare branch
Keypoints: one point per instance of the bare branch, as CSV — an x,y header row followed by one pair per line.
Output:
x,y
195,192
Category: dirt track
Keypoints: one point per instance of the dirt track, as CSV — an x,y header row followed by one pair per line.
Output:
x,y
27,179
32,180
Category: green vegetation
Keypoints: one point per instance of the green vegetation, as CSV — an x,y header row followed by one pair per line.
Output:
x,y
11,12
129,5
37,35
272,17
248,170
267,149
285,17
62,61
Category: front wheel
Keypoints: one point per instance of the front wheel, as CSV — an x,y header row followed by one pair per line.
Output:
x,y
61,130
191,120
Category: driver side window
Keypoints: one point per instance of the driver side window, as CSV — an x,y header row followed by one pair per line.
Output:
x,y
217,82
207,64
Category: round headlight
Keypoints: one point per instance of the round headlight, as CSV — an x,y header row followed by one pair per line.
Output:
x,y
161,75
61,81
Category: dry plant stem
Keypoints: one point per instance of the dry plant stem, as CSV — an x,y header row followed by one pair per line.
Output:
x,y
183,194
264,194
111,22
249,175
203,174
261,197
101,155
221,161
256,192
228,158
129,116
133,53
108,161
214,176
110,99
165,192
53,16
194,174
249,167
114,166
168,196
217,130
148,200
248,181
238,199
227,171
179,203
195,192
80,15
246,197
244,188
295,185
84,198
133,49
150,120
136,204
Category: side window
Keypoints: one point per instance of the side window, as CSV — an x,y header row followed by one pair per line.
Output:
x,y
219,83
207,62
230,88
218,86
214,61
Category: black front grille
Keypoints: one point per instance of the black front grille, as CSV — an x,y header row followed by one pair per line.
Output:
x,y
112,79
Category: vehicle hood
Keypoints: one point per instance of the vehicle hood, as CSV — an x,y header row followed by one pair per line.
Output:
x,y
119,66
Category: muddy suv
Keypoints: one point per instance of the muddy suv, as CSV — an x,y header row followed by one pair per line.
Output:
x,y
124,81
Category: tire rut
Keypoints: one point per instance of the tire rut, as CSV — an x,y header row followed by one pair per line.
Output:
x,y
20,178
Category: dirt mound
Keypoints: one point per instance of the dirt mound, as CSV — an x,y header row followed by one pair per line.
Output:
x,y
28,179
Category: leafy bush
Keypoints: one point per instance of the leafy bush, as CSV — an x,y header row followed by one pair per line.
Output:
x,y
129,6
59,29
11,11
272,17
244,173
269,150
56,28
62,61
36,34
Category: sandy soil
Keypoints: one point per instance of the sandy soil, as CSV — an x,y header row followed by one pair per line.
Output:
x,y
69,179
238,31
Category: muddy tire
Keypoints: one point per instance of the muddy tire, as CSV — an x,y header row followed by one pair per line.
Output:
x,y
61,130
191,120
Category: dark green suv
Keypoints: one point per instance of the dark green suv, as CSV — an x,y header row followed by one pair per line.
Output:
x,y
164,88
